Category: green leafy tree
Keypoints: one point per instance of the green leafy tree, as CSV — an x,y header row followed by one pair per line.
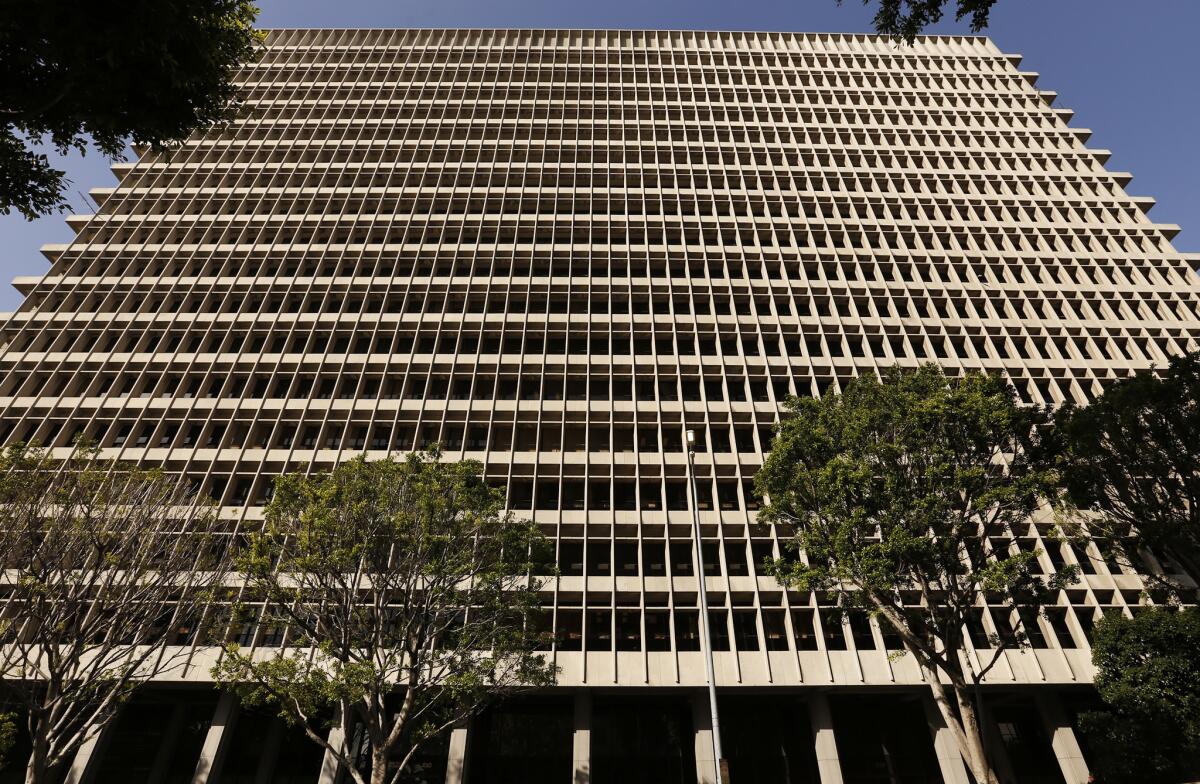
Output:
x,y
1133,457
897,489
906,19
8,736
108,569
148,72
407,593
1148,673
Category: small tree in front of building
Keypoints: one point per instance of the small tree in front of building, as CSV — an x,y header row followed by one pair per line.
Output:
x,y
896,489
1133,458
409,599
1148,674
107,570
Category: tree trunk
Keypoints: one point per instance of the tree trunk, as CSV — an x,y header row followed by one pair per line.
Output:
x,y
37,770
379,765
973,749
964,725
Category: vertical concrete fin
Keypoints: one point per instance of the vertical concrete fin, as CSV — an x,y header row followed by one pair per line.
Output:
x,y
1062,739
821,718
216,741
949,758
581,754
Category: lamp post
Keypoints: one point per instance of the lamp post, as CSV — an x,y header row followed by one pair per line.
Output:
x,y
721,765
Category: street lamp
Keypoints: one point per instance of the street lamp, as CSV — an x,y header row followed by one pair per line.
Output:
x,y
706,635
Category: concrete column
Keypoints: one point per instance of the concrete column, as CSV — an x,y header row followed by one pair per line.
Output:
x,y
456,765
706,767
581,753
165,757
1063,740
87,756
821,719
330,767
993,744
950,761
265,771
216,740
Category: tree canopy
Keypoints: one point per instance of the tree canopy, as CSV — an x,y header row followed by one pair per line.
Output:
x,y
906,19
148,72
1133,456
1148,674
899,490
408,596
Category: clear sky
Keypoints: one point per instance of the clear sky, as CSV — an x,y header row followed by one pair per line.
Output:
x,y
1127,67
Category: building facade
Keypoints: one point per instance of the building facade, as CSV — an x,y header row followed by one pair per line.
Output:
x,y
556,251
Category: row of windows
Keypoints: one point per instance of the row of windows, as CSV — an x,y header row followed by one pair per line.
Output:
x,y
522,437
689,233
652,557
551,495
572,46
150,209
958,154
850,108
529,69
842,178
608,335
281,264
645,119
633,85
540,300
273,72
648,130
884,349
356,384
616,87
385,54
749,629
811,630
364,388
642,123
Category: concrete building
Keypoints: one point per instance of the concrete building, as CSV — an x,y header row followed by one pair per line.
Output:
x,y
555,251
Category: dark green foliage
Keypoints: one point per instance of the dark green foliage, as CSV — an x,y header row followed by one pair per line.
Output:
x,y
142,71
906,19
1133,455
408,595
8,736
895,489
1148,673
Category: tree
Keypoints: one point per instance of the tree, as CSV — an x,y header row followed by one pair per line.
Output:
x,y
1148,673
146,71
897,489
906,19
8,736
109,567
408,596
1133,457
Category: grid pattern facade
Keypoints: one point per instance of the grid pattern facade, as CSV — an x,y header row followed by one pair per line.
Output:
x,y
555,252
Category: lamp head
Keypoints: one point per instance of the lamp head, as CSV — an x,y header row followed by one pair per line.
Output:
x,y
691,438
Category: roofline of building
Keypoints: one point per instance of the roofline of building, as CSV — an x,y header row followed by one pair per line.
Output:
x,y
842,34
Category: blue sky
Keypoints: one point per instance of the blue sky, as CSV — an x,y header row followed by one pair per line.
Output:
x,y
1128,69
